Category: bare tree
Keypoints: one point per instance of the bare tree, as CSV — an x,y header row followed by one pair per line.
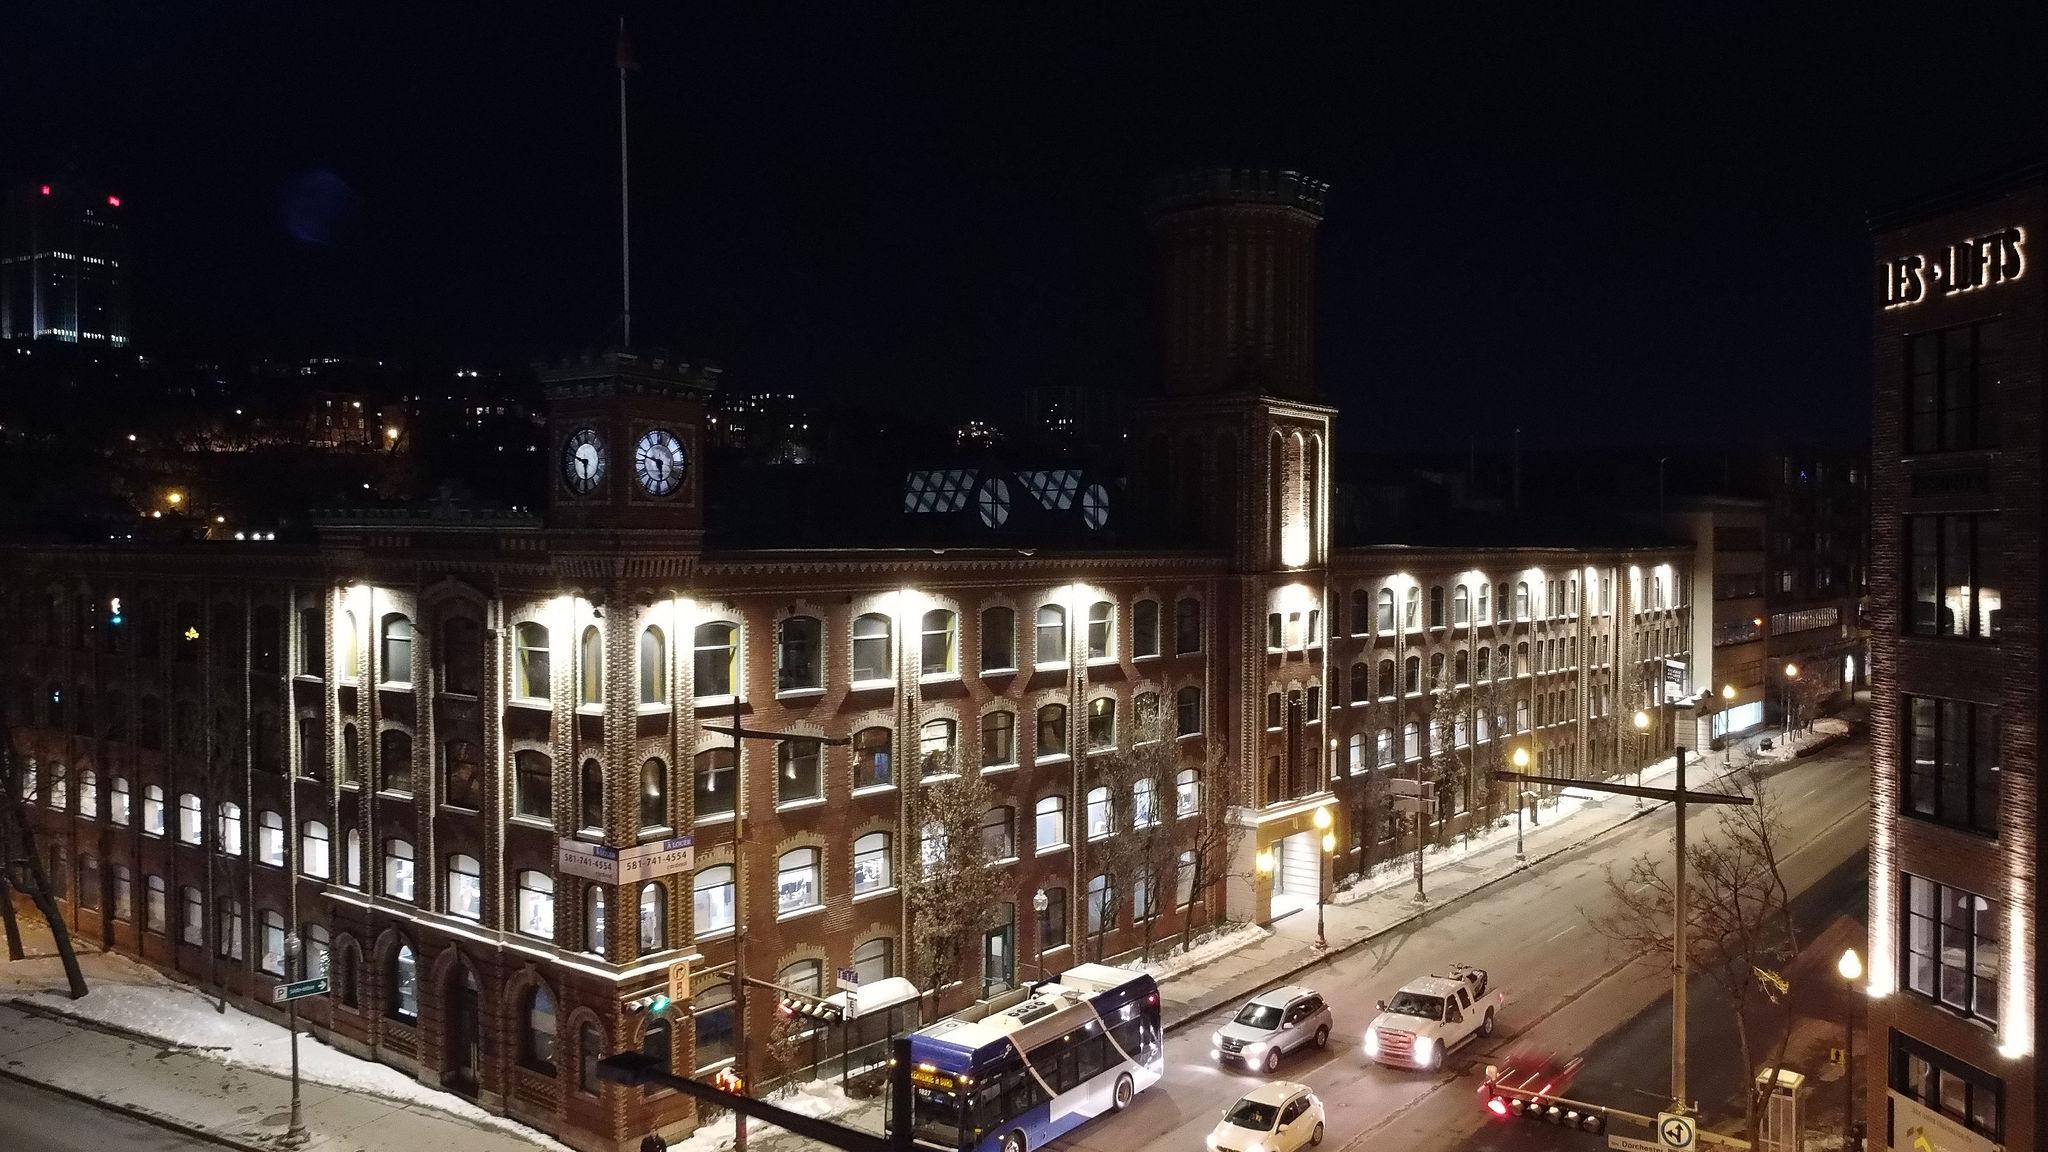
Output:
x,y
1215,837
1740,929
1146,819
18,849
956,887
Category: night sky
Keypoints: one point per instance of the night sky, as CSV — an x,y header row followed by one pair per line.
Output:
x,y
1568,223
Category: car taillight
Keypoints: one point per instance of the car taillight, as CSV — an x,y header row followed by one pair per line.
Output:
x,y
1497,1106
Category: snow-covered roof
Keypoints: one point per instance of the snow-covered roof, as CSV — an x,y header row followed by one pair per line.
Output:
x,y
879,996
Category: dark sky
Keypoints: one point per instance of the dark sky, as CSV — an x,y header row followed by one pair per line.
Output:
x,y
1572,223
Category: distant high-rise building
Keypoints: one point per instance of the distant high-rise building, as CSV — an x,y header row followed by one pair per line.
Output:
x,y
63,267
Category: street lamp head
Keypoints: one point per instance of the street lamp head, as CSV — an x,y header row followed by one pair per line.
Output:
x,y
1322,818
1329,843
1642,720
1263,862
1727,691
1040,901
1791,671
1521,758
1850,965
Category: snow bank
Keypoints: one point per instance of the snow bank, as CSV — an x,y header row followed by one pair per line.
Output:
x,y
818,1099
127,995
1213,946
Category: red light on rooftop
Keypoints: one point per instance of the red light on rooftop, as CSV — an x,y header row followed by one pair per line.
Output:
x,y
46,189
114,201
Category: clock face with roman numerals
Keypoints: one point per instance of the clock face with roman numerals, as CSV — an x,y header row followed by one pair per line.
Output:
x,y
660,462
583,461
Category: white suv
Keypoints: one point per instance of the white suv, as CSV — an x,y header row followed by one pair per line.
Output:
x,y
1273,1023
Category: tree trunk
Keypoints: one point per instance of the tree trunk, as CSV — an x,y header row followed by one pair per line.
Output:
x,y
40,890
14,951
1187,922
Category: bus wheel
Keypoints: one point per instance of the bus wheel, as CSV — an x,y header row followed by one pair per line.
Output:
x,y
1014,1142
1121,1098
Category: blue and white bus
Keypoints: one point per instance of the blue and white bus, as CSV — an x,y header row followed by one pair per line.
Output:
x,y
1016,1080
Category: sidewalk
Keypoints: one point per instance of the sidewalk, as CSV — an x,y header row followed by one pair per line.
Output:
x,y
1385,902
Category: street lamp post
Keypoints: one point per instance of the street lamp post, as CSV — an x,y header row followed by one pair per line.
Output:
x,y
295,1131
1642,723
1521,762
1791,674
1329,842
1039,903
1850,966
1727,744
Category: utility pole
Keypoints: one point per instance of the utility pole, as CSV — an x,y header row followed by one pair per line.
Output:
x,y
1680,797
295,1132
739,880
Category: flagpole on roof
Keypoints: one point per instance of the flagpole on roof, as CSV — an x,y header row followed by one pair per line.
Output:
x,y
625,226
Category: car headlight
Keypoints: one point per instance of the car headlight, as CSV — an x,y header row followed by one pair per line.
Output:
x,y
1255,1146
1254,1050
1425,1052
1372,1041
1216,1038
1211,1142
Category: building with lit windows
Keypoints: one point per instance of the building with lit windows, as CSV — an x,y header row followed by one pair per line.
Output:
x,y
1955,860
483,763
64,271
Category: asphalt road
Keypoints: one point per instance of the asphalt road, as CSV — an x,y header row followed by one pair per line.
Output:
x,y
1566,986
34,1120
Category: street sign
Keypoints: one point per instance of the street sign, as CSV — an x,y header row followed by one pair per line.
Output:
x,y
1631,1144
299,990
1414,805
1409,786
849,979
1835,1056
1676,1133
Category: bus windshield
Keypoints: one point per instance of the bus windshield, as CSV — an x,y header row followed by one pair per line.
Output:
x,y
1416,1004
936,1116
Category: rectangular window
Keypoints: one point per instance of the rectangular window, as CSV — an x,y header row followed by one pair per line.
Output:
x,y
1941,1083
998,640
1187,626
1952,763
1145,628
1951,948
1952,569
1952,387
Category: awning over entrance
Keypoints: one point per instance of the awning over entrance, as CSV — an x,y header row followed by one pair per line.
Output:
x,y
883,994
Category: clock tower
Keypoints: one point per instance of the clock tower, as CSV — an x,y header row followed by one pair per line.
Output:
x,y
625,442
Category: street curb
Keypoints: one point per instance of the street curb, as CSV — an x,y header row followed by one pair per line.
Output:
x,y
1331,954
133,1112
35,1008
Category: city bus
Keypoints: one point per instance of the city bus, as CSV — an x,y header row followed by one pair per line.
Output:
x,y
1013,1081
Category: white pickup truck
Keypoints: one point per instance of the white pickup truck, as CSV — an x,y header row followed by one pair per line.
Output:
x,y
1431,1016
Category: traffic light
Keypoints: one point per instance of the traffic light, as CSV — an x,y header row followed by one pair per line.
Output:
x,y
794,1004
114,611
654,1004
728,1080
1508,1102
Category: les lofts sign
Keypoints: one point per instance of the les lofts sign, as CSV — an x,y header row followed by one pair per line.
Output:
x,y
1966,266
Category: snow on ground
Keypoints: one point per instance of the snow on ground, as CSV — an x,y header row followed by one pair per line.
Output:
x,y
819,1098
125,994
1213,946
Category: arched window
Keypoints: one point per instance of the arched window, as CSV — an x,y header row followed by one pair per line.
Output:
x,y
316,959
1355,761
1484,670
1461,667
1361,683
713,891
1386,679
1386,621
88,881
653,917
532,662
535,905
799,662
798,883
871,759
532,785
229,829
461,656
712,1010
1522,658
1145,628
88,794
939,643
191,818
270,838
1145,717
1436,606
1187,626
653,794
351,757
1101,630
1521,715
589,1050
1187,711
716,777
352,859
1461,606
798,776
402,993
657,1043
1411,611
60,787
394,755
462,784
1411,741
1101,723
653,666
1187,793
872,659
395,665
1052,635
872,869
154,915
935,744
1522,600
117,801
1100,819
999,739
1411,679
1383,747
998,640
348,977
1049,824
1360,621
716,659
594,919
1101,911
465,887
270,930
875,960
1052,730
1436,670
590,667
999,833
537,1041
398,864
1144,809
590,796
314,850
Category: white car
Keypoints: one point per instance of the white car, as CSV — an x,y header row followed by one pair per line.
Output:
x,y
1277,1116
1429,1017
